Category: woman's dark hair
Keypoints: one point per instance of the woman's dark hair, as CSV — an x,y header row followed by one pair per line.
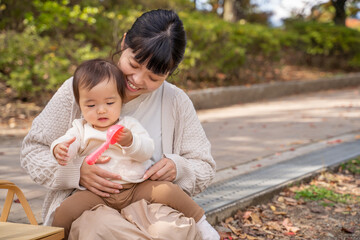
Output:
x,y
157,36
92,72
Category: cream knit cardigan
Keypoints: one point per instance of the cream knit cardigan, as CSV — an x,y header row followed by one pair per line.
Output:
x,y
183,140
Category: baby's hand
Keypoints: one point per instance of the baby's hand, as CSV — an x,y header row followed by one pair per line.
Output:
x,y
125,137
61,151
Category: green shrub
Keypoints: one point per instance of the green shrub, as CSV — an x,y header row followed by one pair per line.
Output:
x,y
33,65
216,46
325,40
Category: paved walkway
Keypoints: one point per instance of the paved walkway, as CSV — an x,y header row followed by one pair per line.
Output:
x,y
244,137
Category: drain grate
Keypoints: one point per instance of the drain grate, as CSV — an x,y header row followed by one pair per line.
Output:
x,y
225,193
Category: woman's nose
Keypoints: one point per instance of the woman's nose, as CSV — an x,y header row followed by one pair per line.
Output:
x,y
138,78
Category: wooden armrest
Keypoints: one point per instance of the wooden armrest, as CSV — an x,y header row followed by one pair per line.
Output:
x,y
13,189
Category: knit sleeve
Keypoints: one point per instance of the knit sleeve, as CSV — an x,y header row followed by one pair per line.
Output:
x,y
50,124
192,150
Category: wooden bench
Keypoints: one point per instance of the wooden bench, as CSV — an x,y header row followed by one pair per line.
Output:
x,y
23,231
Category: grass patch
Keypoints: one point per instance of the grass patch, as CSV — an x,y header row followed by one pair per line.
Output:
x,y
315,193
352,166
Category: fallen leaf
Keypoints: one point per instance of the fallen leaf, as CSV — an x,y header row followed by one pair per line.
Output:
x,y
273,208
255,219
280,213
234,229
288,225
316,209
274,225
335,141
230,219
289,233
250,237
290,201
339,210
348,229
224,235
16,201
296,143
247,214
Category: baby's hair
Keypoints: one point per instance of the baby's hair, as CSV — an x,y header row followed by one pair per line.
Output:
x,y
92,72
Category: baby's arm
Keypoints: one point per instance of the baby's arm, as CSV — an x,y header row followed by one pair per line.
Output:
x,y
61,151
66,147
141,147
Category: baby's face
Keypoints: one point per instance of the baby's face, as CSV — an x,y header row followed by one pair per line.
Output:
x,y
101,106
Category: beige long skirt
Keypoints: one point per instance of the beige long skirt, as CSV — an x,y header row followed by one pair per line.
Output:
x,y
140,220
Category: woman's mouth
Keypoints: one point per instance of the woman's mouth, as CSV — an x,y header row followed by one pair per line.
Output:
x,y
131,86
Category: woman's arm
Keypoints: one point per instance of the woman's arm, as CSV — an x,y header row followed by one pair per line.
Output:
x,y
190,164
50,124
195,166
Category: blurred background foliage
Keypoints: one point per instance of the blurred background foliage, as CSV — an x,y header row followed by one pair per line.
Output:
x,y
42,41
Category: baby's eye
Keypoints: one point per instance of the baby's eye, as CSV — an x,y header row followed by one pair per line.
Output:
x,y
110,103
90,106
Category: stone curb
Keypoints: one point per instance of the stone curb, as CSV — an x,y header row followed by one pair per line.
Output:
x,y
225,96
214,216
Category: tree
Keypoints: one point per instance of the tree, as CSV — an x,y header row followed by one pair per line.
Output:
x,y
343,8
335,10
235,10
230,13
340,14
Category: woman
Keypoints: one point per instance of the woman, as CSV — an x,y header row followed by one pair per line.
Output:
x,y
149,53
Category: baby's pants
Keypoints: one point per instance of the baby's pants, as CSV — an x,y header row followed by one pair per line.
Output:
x,y
163,192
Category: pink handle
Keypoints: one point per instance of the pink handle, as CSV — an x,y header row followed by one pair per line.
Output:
x,y
91,159
111,138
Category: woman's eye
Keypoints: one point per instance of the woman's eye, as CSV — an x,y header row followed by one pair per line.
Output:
x,y
110,103
133,66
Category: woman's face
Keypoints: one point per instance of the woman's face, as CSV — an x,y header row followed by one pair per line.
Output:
x,y
138,78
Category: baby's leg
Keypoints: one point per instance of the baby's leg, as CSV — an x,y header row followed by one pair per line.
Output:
x,y
72,208
168,194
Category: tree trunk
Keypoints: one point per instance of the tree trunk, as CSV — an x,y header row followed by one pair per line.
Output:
x,y
229,11
340,14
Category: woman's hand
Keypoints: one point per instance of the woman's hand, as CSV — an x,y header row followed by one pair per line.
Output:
x,y
95,178
163,170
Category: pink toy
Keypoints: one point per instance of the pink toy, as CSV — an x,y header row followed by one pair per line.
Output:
x,y
111,138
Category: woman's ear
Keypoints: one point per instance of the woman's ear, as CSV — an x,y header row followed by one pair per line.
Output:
x,y
123,42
